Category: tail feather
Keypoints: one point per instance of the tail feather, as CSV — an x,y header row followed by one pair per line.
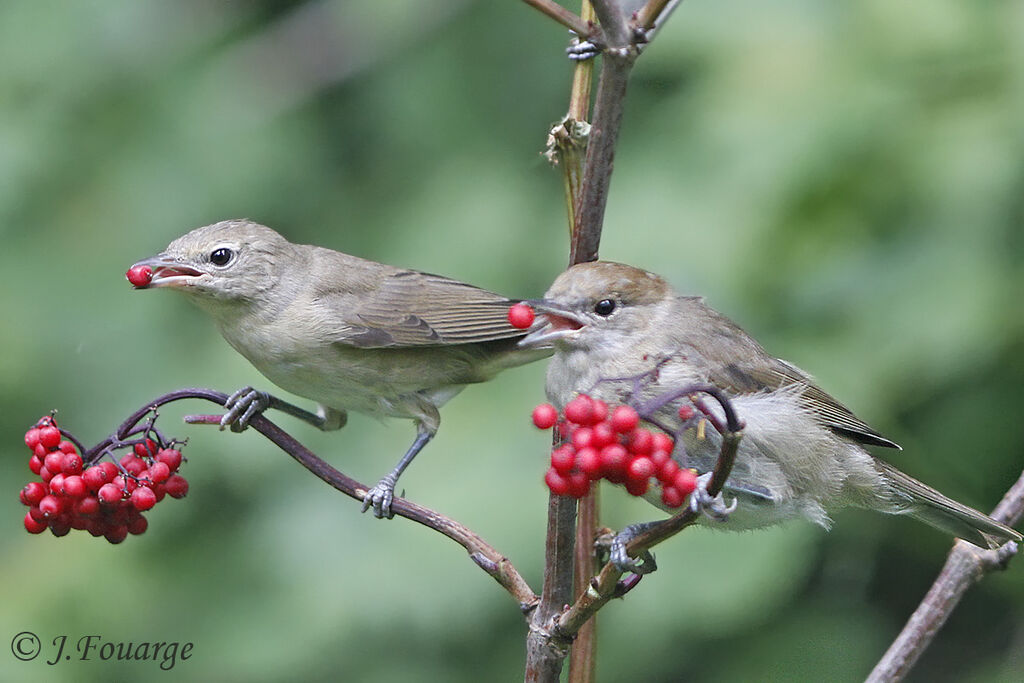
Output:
x,y
933,508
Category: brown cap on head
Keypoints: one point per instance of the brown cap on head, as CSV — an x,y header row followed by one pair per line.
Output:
x,y
606,279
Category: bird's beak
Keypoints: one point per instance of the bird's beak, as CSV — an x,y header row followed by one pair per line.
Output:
x,y
560,323
168,272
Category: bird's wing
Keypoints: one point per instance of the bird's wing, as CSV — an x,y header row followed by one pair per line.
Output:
x,y
776,373
411,308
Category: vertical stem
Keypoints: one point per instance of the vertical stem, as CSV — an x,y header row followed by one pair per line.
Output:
x,y
545,652
583,656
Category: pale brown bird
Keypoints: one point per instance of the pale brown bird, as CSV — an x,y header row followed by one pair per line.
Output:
x,y
802,453
348,333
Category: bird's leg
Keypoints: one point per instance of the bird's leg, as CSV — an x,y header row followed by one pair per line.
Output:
x,y
380,496
617,555
246,402
701,501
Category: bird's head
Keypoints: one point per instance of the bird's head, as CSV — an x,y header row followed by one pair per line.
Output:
x,y
599,305
234,260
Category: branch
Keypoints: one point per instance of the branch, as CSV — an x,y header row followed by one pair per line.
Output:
x,y
965,566
582,28
485,556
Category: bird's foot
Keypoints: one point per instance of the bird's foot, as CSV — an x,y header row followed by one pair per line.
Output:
x,y
641,564
380,496
241,406
714,507
582,50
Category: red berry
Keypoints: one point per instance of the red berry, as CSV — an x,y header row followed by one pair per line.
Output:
x,y
588,460
37,514
35,464
170,457
40,451
87,506
667,472
133,463
116,534
71,463
580,410
579,485
143,498
672,497
146,449
50,506
74,487
95,477
138,525
686,481
563,459
54,462
624,419
158,472
602,434
637,487
600,410
110,469
139,276
176,486
685,412
33,492
49,437
558,484
640,469
659,458
125,482
32,438
110,494
32,526
520,315
59,529
44,474
613,463
545,416
56,484
66,446
583,437
662,442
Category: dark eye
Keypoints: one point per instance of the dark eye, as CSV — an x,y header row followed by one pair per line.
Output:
x,y
220,257
604,307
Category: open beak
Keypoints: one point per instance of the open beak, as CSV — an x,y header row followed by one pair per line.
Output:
x,y
166,272
560,323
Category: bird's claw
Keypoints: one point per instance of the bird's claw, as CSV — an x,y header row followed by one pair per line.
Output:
x,y
379,498
242,406
641,564
714,507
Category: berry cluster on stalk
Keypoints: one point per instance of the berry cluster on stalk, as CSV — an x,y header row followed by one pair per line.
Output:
x,y
106,497
604,443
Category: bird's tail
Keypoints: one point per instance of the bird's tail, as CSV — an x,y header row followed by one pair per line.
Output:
x,y
931,507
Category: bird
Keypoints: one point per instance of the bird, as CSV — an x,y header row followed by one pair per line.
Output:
x,y
348,333
802,453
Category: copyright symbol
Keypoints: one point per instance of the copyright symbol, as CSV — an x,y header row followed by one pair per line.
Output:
x,y
25,646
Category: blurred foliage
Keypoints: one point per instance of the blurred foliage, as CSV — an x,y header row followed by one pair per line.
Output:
x,y
844,179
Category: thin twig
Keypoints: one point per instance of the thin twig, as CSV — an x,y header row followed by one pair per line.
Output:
x,y
563,16
484,555
965,566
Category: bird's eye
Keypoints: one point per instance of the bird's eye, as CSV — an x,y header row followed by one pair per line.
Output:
x,y
604,307
221,256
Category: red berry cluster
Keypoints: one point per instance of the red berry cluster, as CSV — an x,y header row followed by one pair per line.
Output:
x,y
611,444
104,498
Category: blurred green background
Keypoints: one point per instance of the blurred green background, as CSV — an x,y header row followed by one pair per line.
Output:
x,y
846,180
